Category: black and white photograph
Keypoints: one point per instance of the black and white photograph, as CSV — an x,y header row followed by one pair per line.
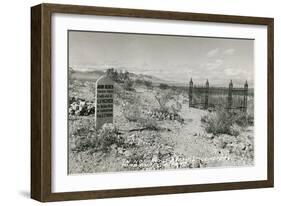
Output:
x,y
146,102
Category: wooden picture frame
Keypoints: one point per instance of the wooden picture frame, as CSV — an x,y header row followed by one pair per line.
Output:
x,y
41,116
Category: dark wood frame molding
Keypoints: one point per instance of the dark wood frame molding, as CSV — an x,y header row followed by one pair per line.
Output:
x,y
41,101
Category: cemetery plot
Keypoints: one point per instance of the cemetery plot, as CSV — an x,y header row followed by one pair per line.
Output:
x,y
206,97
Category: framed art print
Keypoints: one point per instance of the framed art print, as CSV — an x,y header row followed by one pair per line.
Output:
x,y
130,102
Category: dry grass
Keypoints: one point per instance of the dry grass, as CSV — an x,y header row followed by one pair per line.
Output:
x,y
224,122
89,139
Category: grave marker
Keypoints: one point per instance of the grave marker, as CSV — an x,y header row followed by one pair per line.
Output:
x,y
104,101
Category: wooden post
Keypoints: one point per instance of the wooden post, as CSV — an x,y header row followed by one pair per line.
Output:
x,y
229,100
245,104
190,93
207,95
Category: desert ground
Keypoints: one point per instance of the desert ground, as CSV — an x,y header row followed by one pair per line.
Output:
x,y
154,128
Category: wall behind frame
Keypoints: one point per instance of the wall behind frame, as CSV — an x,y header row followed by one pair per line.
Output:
x,y
15,102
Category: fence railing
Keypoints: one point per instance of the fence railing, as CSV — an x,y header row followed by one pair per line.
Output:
x,y
230,98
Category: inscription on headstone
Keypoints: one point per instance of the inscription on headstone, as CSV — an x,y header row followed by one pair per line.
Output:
x,y
104,101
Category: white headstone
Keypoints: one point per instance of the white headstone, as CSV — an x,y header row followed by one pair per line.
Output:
x,y
104,101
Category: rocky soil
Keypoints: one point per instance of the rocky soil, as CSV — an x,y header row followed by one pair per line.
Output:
x,y
175,140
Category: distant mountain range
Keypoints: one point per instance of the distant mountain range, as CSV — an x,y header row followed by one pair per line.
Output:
x,y
90,74
85,75
94,75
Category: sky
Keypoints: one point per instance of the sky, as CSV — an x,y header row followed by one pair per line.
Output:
x,y
172,58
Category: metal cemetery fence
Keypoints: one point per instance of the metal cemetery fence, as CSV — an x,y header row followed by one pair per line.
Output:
x,y
231,98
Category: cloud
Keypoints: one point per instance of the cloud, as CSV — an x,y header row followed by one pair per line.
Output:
x,y
213,52
232,72
237,73
213,65
229,51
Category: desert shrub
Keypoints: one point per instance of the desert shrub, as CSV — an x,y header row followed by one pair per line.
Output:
x,y
205,119
113,74
163,86
165,111
234,130
135,159
162,100
138,81
162,110
107,136
128,84
148,84
99,140
224,122
250,119
117,76
80,107
218,122
243,119
118,92
178,89
174,88
81,136
175,109
148,123
131,112
81,144
250,107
